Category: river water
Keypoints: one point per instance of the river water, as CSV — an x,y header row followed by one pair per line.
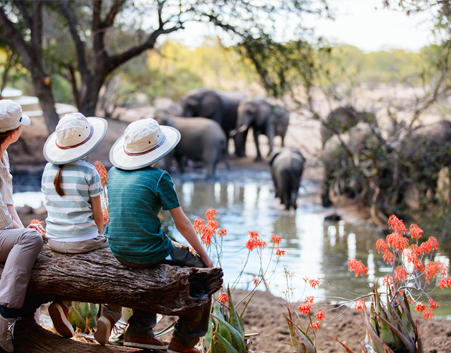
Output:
x,y
245,202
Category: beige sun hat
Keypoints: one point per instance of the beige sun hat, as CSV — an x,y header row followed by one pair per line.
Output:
x,y
75,137
144,142
11,116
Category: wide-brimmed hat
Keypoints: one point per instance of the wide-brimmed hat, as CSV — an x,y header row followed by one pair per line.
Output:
x,y
11,116
75,137
144,142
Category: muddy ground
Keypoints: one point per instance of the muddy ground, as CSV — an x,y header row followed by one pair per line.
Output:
x,y
264,314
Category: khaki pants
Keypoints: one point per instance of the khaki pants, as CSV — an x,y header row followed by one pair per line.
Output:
x,y
190,326
79,247
19,249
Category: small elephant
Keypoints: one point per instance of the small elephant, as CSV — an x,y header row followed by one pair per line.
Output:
x,y
341,120
221,107
286,167
264,118
201,140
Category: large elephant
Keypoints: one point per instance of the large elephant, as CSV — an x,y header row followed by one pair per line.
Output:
x,y
424,152
221,107
264,118
350,157
287,166
341,120
201,140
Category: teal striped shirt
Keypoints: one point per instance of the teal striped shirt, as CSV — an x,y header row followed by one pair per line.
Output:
x,y
71,215
135,198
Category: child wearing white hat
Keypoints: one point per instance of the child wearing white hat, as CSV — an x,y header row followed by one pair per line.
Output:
x,y
72,191
19,246
137,191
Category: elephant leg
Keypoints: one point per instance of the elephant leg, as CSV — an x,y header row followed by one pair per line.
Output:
x,y
325,189
259,156
270,134
210,158
283,140
180,162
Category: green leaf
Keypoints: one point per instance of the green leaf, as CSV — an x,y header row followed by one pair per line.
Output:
x,y
408,343
207,338
294,343
308,343
84,310
79,322
226,344
378,345
234,332
94,310
234,317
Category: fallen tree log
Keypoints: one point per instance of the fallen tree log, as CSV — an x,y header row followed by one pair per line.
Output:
x,y
98,277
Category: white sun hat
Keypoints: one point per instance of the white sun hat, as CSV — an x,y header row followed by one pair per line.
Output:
x,y
11,116
144,142
75,137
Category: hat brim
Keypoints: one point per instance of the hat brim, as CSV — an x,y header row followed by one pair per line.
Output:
x,y
25,120
57,155
122,160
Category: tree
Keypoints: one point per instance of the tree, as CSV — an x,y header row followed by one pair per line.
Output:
x,y
105,34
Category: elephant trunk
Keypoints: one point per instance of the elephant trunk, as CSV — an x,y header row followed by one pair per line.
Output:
x,y
241,129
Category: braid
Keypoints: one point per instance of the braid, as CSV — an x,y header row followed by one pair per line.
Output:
x,y
57,181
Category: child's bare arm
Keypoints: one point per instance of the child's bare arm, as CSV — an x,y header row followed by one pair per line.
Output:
x,y
185,227
97,213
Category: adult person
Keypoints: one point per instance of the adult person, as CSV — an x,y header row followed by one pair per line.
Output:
x,y
19,246
137,191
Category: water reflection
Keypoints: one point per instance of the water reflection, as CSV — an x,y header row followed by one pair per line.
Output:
x,y
315,248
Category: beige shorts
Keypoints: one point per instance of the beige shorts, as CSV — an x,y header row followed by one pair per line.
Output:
x,y
79,247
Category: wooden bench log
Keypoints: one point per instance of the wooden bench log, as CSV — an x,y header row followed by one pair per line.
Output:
x,y
98,277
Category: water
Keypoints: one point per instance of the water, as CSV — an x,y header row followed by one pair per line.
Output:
x,y
314,248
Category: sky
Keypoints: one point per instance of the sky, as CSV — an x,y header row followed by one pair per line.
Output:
x,y
362,23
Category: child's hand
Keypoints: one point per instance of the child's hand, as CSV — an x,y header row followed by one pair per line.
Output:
x,y
36,225
207,261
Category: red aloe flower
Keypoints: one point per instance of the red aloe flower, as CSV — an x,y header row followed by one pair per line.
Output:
x,y
433,304
415,231
223,298
420,307
314,283
400,274
211,213
280,252
309,299
427,314
381,246
357,266
445,283
304,308
315,325
222,232
359,305
320,316
276,239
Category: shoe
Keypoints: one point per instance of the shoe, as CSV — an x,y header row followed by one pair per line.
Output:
x,y
177,346
7,333
104,326
149,343
60,317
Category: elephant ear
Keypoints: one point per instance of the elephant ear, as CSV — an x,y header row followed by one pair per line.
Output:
x,y
296,151
209,104
273,156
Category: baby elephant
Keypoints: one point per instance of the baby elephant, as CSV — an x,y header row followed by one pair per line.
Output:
x,y
287,166
201,140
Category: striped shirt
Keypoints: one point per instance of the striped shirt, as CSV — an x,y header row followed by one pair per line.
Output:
x,y
70,215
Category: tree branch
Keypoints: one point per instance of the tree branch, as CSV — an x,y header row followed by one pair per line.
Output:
x,y
79,45
36,28
115,9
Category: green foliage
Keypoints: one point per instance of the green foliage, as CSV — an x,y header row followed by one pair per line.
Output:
x,y
82,316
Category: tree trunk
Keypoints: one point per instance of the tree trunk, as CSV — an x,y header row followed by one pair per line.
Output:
x,y
47,102
98,277
90,95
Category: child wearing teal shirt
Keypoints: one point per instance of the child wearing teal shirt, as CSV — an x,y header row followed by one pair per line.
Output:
x,y
137,192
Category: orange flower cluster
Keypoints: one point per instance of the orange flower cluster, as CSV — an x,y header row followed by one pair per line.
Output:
x,y
420,307
445,283
433,268
320,316
400,274
309,299
387,279
223,298
208,231
427,314
313,282
359,305
280,252
304,308
396,224
315,326
255,241
357,267
276,239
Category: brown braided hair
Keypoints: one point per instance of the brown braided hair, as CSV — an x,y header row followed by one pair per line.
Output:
x,y
57,181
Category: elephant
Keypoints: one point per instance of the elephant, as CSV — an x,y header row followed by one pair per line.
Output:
x,y
287,166
264,118
201,140
423,153
350,156
221,107
341,120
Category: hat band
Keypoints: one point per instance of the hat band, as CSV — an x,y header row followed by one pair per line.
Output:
x,y
152,149
78,144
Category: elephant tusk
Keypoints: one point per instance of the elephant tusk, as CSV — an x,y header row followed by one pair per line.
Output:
x,y
233,133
